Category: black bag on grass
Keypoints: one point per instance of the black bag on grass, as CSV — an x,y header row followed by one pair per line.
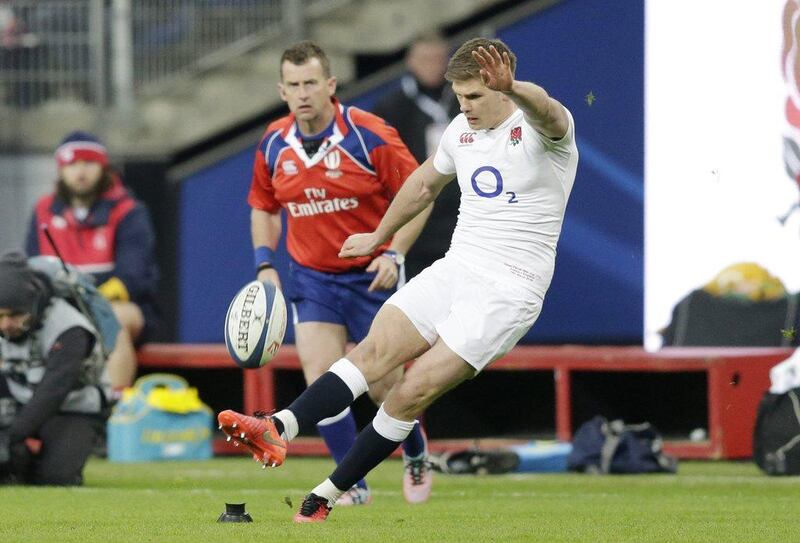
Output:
x,y
600,446
776,439
476,462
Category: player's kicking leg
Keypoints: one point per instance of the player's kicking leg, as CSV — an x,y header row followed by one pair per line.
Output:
x,y
433,374
379,353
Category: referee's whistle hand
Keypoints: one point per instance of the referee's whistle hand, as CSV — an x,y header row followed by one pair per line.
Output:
x,y
385,271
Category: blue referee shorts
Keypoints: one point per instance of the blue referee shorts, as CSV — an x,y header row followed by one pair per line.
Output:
x,y
338,298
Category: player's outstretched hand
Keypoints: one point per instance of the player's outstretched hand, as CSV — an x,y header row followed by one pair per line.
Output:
x,y
495,69
359,245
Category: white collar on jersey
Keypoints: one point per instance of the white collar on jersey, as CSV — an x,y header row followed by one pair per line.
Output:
x,y
329,143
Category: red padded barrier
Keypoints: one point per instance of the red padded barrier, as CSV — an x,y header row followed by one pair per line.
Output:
x,y
736,377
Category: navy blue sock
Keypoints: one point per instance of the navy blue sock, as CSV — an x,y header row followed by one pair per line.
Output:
x,y
414,445
339,437
369,450
325,397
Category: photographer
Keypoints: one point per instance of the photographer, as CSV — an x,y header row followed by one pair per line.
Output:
x,y
53,387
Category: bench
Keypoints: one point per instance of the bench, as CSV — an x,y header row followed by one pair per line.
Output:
x,y
584,378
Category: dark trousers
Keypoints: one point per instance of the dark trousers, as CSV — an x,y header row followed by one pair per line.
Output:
x,y
66,442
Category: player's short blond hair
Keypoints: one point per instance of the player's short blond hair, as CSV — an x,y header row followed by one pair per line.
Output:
x,y
462,66
302,52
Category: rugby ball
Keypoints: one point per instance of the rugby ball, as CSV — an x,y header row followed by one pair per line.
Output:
x,y
255,324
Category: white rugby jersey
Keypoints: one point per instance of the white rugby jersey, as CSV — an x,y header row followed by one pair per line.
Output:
x,y
515,183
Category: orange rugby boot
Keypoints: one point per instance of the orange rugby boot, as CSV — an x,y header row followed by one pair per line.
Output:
x,y
258,433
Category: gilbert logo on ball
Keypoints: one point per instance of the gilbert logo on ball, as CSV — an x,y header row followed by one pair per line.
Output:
x,y
255,324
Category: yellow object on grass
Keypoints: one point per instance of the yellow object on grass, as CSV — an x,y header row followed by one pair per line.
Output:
x,y
175,401
114,290
160,418
176,397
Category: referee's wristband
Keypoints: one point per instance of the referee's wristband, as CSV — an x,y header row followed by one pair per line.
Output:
x,y
264,257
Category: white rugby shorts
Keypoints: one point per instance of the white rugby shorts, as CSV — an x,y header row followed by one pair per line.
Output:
x,y
479,317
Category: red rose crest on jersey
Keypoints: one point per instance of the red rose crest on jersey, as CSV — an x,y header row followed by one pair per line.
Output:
x,y
516,135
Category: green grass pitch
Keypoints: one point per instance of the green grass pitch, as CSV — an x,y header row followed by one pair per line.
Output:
x,y
180,501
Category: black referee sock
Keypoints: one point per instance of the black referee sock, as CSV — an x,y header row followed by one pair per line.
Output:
x,y
325,397
369,450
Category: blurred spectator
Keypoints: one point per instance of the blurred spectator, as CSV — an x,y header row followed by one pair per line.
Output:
x,y
103,231
16,44
9,26
54,392
420,111
13,33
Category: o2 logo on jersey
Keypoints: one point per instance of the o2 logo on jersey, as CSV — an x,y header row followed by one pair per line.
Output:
x,y
498,180
467,138
498,184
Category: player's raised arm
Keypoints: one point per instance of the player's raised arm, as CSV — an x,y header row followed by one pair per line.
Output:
x,y
544,113
416,194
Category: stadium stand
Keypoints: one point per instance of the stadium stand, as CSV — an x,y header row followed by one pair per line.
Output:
x,y
193,65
